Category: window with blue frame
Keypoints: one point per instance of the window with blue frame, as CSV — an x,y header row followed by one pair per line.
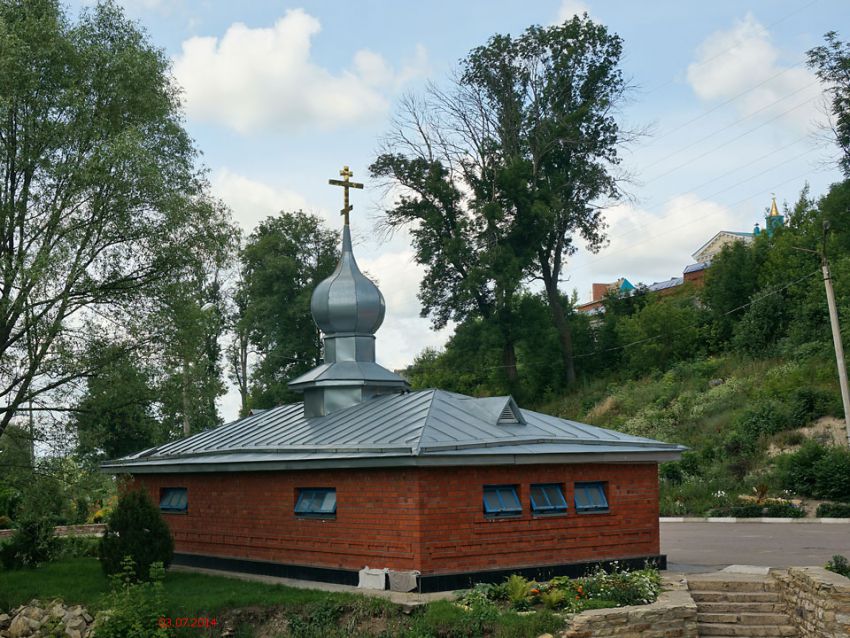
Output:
x,y
590,497
316,502
548,498
501,500
174,500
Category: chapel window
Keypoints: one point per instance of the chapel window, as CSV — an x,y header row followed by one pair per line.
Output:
x,y
501,500
174,500
316,502
590,497
548,498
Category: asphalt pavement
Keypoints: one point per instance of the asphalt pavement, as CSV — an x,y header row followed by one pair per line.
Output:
x,y
697,547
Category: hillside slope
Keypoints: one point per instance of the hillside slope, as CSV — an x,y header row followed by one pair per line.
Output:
x,y
742,419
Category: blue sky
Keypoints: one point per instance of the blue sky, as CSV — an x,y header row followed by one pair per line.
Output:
x,y
278,96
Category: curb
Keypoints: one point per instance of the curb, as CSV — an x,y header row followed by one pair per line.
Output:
x,y
723,519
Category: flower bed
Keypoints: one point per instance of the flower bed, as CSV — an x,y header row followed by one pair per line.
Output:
x,y
598,590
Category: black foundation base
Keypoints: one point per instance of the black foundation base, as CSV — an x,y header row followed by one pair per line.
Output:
x,y
427,583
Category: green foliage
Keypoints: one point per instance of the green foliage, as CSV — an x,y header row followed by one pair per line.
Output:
x,y
114,416
839,565
771,510
486,213
817,471
91,115
761,325
833,510
729,284
519,591
32,544
136,529
77,546
663,333
831,62
133,609
284,259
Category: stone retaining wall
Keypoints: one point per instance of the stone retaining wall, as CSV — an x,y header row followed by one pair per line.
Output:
x,y
67,530
817,601
673,615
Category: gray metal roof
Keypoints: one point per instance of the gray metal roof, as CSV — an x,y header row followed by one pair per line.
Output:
x,y
664,285
702,265
426,427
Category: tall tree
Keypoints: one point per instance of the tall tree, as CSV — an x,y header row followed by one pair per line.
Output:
x,y
190,319
283,261
115,414
504,170
97,189
831,62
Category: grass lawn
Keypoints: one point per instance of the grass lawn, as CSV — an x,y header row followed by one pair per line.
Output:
x,y
81,581
259,610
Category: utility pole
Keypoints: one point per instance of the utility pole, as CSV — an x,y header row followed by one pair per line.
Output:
x,y
836,334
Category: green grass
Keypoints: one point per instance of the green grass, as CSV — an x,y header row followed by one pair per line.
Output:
x,y
307,612
81,581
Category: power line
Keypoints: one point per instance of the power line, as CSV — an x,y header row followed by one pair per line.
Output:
x,y
722,104
728,142
733,124
754,300
728,49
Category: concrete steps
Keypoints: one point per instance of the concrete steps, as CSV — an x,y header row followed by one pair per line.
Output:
x,y
739,605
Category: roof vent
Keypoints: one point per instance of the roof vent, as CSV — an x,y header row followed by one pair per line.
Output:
x,y
510,414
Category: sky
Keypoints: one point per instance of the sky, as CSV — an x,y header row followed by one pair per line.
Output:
x,y
279,96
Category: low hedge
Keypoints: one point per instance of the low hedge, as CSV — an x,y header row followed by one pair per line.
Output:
x,y
833,510
773,510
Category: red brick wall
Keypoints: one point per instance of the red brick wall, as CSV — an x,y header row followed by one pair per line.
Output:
x,y
251,515
460,538
378,522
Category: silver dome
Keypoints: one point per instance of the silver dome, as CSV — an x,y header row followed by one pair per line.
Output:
x,y
347,301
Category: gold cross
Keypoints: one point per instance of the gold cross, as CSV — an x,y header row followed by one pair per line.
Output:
x,y
346,173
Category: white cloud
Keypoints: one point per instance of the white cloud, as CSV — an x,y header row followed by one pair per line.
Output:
x,y
744,59
264,78
570,8
252,201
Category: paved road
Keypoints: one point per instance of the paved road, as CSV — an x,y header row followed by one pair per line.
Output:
x,y
693,547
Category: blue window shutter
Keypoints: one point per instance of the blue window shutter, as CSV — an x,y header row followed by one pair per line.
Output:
x,y
501,500
590,497
548,498
174,499
316,502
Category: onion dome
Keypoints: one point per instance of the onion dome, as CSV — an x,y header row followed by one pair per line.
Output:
x,y
347,301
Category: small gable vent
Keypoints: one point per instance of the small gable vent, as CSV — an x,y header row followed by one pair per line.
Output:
x,y
509,415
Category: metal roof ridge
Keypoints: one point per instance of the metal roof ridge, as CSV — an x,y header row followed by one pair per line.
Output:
x,y
417,449
544,440
273,450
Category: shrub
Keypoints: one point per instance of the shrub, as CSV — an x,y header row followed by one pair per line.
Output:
x,y
5,522
32,544
817,471
834,510
753,510
671,472
763,419
133,609
808,404
136,529
78,546
832,475
839,565
519,591
797,471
